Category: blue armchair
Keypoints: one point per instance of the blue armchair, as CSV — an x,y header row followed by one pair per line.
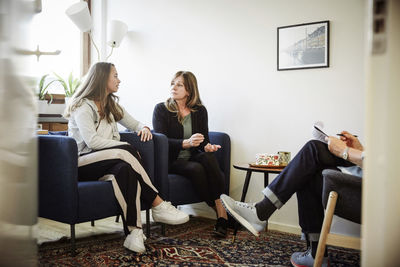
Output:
x,y
178,189
62,198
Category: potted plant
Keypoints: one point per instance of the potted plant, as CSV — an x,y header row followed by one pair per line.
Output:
x,y
42,92
70,85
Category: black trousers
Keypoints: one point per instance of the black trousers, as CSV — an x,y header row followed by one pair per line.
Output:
x,y
303,176
204,172
123,166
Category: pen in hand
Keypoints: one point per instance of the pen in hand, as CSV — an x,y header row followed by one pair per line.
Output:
x,y
344,136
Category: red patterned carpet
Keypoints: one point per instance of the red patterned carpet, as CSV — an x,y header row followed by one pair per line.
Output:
x,y
190,244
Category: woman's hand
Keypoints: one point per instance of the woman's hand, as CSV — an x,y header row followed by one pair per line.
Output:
x,y
351,141
211,148
145,134
196,139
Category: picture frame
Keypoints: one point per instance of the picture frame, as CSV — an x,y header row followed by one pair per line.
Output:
x,y
303,46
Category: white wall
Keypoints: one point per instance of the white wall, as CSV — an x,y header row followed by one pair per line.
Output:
x,y
230,45
381,198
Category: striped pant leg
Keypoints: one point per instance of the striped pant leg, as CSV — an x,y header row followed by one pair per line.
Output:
x,y
122,165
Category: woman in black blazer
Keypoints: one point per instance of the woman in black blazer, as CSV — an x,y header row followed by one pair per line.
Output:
x,y
183,119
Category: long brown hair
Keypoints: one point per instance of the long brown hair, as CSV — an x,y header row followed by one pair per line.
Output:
x,y
193,100
95,88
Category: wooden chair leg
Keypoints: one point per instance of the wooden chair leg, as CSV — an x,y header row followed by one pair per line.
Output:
x,y
326,226
73,248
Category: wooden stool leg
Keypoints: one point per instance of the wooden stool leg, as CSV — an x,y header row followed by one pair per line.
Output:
x,y
326,226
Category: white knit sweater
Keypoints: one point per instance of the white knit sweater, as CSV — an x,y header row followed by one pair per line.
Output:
x,y
91,134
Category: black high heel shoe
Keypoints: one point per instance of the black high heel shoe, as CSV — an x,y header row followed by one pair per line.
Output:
x,y
221,227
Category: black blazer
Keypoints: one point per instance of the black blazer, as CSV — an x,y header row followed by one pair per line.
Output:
x,y
167,123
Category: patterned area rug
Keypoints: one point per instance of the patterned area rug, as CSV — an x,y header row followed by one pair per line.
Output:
x,y
190,244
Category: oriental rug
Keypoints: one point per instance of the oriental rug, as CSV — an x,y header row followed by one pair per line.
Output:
x,y
190,244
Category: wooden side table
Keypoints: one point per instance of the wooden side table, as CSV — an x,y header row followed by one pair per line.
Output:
x,y
249,170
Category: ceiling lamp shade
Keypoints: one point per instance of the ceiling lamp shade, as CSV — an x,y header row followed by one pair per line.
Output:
x,y
79,14
116,32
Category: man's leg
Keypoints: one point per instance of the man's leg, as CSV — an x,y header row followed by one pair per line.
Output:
x,y
301,171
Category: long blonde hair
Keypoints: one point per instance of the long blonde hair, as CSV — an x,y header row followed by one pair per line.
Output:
x,y
95,88
193,100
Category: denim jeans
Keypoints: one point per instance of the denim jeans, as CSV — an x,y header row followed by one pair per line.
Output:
x,y
303,176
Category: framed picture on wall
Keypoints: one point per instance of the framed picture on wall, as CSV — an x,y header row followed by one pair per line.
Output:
x,y
303,46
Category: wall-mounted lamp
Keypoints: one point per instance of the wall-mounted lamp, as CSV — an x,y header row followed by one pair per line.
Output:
x,y
80,15
116,32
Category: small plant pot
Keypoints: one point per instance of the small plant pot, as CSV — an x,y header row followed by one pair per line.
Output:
x,y
42,106
45,108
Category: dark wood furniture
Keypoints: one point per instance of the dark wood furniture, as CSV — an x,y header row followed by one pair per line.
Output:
x,y
249,170
52,123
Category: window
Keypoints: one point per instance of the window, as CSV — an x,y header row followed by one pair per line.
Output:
x,y
52,30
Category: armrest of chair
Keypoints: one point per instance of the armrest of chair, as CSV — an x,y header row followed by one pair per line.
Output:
x,y
58,172
223,155
146,150
161,164
348,187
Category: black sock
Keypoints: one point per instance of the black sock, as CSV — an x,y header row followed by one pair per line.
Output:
x,y
265,208
314,247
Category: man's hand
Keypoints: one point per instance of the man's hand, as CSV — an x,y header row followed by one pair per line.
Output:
x,y
351,141
336,146
354,148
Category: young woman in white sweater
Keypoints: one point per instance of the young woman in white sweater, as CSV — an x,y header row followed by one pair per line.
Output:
x,y
93,113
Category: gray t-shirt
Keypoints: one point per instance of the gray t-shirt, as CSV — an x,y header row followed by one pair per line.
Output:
x,y
187,133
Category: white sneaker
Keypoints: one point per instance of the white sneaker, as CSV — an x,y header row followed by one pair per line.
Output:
x,y
305,259
244,213
166,213
134,241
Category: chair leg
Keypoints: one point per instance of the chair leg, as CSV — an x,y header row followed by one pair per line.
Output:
x,y
117,218
148,223
163,229
73,248
92,223
326,226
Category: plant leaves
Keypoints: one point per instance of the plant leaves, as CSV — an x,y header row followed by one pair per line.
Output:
x,y
42,90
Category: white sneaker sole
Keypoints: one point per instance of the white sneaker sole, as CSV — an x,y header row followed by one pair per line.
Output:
x,y
134,248
240,219
174,222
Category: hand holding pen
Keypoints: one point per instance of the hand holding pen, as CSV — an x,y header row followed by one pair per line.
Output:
x,y
351,140
340,134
